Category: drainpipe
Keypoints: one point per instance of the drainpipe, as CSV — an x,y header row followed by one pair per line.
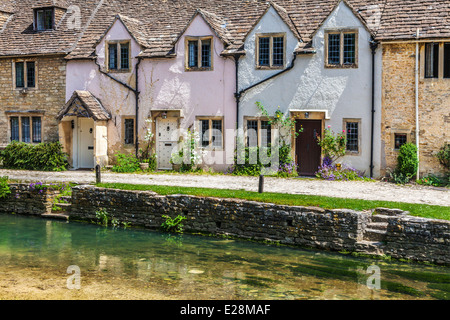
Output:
x,y
136,94
271,77
134,90
417,104
238,93
373,47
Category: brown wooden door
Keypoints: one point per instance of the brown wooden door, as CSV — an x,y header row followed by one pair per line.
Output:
x,y
308,151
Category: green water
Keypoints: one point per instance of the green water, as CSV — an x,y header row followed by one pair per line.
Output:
x,y
146,263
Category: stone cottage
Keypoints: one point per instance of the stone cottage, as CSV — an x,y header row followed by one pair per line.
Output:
x,y
35,37
415,40
99,75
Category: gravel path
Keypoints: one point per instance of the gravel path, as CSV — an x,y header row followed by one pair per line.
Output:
x,y
342,189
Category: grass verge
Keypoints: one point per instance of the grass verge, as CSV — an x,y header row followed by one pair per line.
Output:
x,y
418,210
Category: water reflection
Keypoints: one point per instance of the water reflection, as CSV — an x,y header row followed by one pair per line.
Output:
x,y
194,267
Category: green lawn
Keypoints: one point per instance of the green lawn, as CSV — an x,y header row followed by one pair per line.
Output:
x,y
419,210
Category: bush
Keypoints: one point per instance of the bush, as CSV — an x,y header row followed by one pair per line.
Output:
x,y
41,157
435,181
286,168
444,156
329,171
4,187
407,161
126,163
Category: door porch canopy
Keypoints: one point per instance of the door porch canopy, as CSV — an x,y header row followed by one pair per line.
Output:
x,y
84,104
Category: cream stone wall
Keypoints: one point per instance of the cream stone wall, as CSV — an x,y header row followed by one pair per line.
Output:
x,y
398,112
46,99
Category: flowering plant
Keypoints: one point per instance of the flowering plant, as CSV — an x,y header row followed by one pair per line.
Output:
x,y
190,155
333,146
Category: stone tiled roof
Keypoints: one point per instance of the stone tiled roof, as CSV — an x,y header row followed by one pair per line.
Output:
x,y
6,6
156,25
84,103
402,18
20,38
50,3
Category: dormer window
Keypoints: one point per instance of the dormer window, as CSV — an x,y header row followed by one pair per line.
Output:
x,y
199,53
43,19
118,58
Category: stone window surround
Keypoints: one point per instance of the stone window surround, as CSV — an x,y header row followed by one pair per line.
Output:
x,y
119,43
408,133
187,39
25,88
341,32
25,114
259,119
210,118
344,126
127,117
271,36
441,61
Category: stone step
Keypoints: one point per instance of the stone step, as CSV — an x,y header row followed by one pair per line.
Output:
x,y
374,235
55,216
369,247
380,218
378,225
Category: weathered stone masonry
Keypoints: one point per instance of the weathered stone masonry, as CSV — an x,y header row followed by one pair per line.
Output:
x,y
45,100
340,229
398,112
407,237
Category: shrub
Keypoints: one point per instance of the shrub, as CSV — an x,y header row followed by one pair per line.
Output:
x,y
4,187
329,171
407,161
333,146
286,168
432,180
126,163
444,156
42,157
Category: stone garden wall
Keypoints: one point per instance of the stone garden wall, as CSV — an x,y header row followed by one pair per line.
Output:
x,y
311,227
24,200
418,239
406,237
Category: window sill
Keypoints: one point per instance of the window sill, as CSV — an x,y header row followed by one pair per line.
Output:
x,y
353,153
341,66
118,71
269,68
198,69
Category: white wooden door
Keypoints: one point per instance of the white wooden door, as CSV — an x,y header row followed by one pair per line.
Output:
x,y
166,141
85,143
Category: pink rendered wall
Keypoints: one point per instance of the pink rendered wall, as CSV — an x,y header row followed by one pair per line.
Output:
x,y
163,83
198,93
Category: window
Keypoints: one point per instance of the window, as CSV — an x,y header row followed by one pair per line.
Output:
x,y
341,49
129,130
25,73
352,128
447,60
118,56
198,54
270,50
26,129
259,133
432,60
436,60
211,133
43,19
400,139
